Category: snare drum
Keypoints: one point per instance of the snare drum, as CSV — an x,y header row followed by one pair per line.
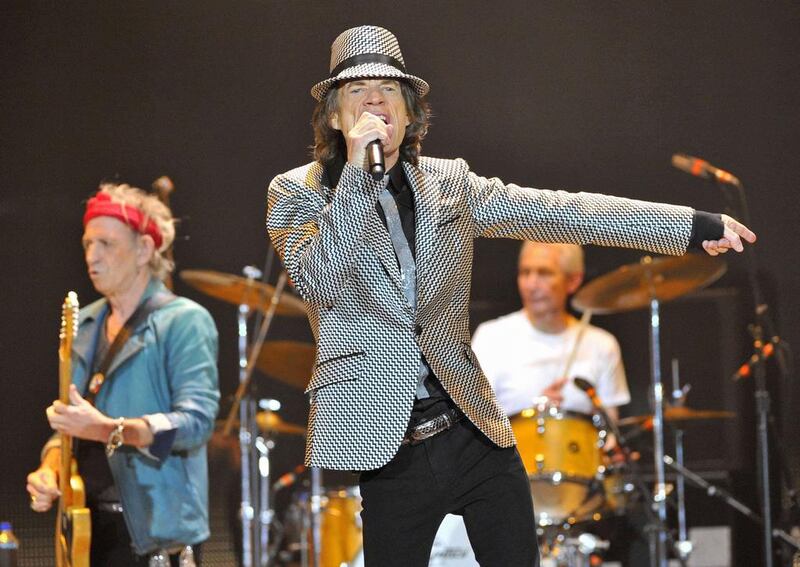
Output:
x,y
562,453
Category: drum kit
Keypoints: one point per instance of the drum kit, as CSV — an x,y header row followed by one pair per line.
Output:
x,y
575,483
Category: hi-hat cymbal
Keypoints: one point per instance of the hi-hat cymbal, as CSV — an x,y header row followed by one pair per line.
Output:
x,y
288,361
633,286
677,413
239,290
269,421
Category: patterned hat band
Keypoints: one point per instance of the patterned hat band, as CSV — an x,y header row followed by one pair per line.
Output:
x,y
367,58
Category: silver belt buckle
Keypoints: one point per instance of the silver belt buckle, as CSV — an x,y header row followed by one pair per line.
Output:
x,y
431,427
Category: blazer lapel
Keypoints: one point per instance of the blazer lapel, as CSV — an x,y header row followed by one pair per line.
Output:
x,y
375,234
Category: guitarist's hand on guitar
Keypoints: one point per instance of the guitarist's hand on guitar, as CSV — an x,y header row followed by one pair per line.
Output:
x,y
43,488
80,418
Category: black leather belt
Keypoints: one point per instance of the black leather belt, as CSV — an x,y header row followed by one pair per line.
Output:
x,y
433,426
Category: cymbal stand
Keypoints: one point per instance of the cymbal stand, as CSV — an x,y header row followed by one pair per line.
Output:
x,y
263,445
316,508
658,538
683,547
311,551
252,537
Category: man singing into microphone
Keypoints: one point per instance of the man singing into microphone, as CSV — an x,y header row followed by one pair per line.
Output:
x,y
384,266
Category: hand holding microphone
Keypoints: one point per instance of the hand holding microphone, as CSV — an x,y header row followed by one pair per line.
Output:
x,y
366,141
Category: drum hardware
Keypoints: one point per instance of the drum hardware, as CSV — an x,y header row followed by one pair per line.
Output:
x,y
648,284
248,294
683,547
719,492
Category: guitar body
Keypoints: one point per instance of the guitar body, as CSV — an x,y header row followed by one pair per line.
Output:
x,y
73,526
73,522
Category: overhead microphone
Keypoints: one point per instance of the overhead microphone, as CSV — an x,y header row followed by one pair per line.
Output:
x,y
289,478
701,168
589,389
763,353
377,165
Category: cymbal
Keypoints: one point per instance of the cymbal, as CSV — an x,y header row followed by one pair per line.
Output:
x,y
633,286
678,413
238,290
288,361
268,421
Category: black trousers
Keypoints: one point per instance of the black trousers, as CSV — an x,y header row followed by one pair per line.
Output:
x,y
111,543
458,471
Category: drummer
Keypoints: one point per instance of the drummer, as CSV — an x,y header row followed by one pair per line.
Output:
x,y
524,354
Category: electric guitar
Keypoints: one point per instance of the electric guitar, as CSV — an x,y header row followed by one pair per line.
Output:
x,y
73,522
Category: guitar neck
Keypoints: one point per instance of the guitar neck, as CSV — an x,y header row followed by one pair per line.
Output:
x,y
69,326
64,380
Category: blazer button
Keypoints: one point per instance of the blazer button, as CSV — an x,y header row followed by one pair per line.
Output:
x,y
418,329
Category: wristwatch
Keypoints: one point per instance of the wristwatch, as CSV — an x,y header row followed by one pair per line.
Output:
x,y
115,438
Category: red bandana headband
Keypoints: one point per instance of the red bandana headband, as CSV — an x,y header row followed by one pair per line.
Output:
x,y
101,205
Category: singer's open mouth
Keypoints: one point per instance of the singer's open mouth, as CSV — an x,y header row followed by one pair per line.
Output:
x,y
381,116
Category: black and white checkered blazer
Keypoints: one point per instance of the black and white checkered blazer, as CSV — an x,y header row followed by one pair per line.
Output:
x,y
340,258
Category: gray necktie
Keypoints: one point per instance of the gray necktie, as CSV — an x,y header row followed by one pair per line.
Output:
x,y
408,268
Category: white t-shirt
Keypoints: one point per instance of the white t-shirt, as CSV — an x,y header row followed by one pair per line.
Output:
x,y
520,362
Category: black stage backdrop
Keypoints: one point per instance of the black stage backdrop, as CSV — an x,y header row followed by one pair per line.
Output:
x,y
593,96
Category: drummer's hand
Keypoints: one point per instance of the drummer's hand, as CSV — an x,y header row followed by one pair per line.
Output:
x,y
731,237
553,391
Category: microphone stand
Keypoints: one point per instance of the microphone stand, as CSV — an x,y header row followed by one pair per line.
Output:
x,y
763,323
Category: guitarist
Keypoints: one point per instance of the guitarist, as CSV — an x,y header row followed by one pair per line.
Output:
x,y
144,395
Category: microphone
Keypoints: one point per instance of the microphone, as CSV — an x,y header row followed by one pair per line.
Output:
x,y
289,478
377,166
701,168
765,352
588,388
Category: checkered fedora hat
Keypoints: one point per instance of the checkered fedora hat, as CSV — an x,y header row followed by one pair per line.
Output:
x,y
366,52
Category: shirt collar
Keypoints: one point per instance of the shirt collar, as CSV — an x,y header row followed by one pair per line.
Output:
x,y
333,171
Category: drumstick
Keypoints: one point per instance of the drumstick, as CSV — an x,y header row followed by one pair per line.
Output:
x,y
584,322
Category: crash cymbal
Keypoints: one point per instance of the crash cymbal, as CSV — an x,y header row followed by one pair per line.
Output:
x,y
288,361
634,285
269,421
677,413
237,290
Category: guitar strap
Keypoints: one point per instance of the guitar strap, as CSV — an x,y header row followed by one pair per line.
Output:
x,y
155,302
